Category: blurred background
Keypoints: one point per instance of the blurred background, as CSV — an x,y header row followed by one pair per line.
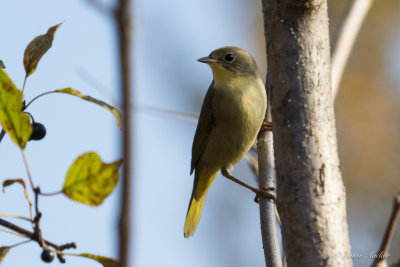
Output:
x,y
168,38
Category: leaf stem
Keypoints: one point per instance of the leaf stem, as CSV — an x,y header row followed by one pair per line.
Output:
x,y
20,243
27,169
45,93
50,194
23,86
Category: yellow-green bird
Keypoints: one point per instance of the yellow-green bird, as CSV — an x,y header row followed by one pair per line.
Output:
x,y
231,116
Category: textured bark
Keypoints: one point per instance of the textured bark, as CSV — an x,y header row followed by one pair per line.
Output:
x,y
311,195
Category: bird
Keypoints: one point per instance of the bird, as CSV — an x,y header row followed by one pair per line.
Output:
x,y
231,116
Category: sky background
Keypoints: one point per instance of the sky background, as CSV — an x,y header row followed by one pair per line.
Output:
x,y
168,37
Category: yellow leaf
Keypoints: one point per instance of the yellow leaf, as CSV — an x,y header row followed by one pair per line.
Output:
x,y
14,121
113,110
37,48
106,262
89,180
3,252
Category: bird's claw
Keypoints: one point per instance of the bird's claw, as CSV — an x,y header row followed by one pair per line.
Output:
x,y
265,192
266,126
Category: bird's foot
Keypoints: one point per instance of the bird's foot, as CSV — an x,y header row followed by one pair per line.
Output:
x,y
266,126
265,192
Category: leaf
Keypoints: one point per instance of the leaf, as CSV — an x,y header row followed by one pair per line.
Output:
x,y
2,66
113,110
9,182
89,180
4,251
14,121
37,48
106,262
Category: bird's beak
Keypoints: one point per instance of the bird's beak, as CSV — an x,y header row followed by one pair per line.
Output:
x,y
207,60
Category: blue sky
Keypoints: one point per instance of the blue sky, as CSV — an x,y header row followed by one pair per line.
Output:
x,y
167,42
168,38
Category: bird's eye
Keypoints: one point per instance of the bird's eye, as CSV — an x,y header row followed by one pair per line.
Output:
x,y
229,57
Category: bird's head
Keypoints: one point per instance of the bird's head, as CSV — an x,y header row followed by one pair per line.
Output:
x,y
231,62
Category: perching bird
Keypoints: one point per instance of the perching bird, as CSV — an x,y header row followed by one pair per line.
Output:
x,y
231,116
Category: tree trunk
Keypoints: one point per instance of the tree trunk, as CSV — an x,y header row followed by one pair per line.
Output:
x,y
311,196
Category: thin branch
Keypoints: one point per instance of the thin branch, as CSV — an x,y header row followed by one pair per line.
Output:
x,y
27,169
91,80
101,7
383,252
33,236
266,163
266,178
15,216
345,36
123,24
11,232
167,113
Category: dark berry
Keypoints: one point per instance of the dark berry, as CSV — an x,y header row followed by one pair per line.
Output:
x,y
47,256
61,258
38,131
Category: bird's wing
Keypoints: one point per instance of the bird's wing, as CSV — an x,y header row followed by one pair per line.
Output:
x,y
204,127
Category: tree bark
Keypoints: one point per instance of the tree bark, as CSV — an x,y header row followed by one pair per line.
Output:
x,y
311,196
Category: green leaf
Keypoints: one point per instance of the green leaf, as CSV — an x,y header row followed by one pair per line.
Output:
x,y
106,262
89,180
113,110
5,250
13,120
37,48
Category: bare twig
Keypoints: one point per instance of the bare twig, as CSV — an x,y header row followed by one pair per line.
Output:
x,y
27,169
100,6
33,236
123,23
383,252
15,216
266,178
345,36
167,113
266,163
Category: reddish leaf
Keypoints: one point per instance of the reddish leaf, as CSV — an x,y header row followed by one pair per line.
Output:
x,y
37,48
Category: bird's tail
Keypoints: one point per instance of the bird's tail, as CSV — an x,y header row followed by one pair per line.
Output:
x,y
200,188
